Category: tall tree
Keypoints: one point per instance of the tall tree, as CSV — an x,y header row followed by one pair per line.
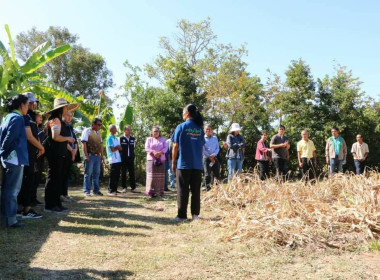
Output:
x,y
78,71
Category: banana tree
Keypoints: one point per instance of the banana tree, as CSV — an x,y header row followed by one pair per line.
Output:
x,y
16,78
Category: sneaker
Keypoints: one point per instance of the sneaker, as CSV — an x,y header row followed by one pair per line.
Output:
x,y
70,198
53,210
178,220
196,218
19,213
17,224
118,192
124,190
64,209
167,190
31,214
87,194
98,194
38,202
112,194
135,191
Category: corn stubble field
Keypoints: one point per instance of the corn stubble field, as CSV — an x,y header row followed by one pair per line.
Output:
x,y
250,230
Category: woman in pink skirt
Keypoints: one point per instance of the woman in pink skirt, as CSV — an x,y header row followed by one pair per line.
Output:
x,y
155,148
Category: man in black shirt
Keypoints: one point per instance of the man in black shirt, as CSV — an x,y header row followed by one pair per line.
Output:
x,y
128,144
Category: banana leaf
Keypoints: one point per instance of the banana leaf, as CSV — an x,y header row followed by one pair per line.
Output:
x,y
127,118
29,68
10,43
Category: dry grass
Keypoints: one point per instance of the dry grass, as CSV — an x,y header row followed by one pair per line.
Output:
x,y
132,237
339,212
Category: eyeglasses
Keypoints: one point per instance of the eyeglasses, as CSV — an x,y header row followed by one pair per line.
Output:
x,y
99,124
155,131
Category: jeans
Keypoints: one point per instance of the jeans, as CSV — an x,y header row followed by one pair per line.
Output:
x,y
264,169
359,165
91,174
235,165
336,164
11,185
188,180
169,174
210,172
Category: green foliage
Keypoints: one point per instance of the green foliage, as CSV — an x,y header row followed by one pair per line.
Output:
x,y
194,68
127,117
16,79
79,71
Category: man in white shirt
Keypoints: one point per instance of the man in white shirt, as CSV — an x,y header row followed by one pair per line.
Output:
x,y
360,152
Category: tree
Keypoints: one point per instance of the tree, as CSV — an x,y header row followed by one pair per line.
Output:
x,y
78,71
17,79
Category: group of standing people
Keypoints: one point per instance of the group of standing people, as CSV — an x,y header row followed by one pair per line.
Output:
x,y
177,161
23,144
335,153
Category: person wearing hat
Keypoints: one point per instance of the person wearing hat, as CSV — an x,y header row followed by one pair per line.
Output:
x,y
56,145
235,151
35,150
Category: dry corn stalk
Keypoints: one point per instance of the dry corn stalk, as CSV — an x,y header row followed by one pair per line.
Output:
x,y
337,212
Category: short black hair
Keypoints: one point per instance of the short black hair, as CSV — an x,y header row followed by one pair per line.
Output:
x,y
281,126
15,102
96,120
335,128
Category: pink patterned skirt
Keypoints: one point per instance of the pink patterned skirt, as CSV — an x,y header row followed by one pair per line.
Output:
x,y
155,178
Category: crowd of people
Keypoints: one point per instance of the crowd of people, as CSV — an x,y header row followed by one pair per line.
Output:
x,y
173,163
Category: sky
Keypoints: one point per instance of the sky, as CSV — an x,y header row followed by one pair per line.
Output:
x,y
323,33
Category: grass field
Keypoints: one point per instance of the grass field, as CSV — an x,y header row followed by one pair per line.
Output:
x,y
132,237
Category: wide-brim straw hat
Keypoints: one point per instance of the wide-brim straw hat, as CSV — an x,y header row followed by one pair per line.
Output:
x,y
235,127
61,102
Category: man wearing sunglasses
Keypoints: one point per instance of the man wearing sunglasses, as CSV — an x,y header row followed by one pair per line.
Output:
x,y
93,157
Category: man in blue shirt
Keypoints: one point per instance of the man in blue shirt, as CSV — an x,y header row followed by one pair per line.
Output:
x,y
211,164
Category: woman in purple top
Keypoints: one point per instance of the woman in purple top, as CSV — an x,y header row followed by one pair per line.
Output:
x,y
155,148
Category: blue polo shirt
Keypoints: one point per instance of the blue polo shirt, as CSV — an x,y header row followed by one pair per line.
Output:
x,y
190,138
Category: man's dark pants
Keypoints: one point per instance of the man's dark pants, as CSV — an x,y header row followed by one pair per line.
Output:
x,y
210,172
114,177
281,167
128,165
308,168
360,166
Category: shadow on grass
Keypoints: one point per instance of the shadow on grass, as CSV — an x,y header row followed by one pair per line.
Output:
x,y
41,273
103,222
96,231
100,213
99,217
